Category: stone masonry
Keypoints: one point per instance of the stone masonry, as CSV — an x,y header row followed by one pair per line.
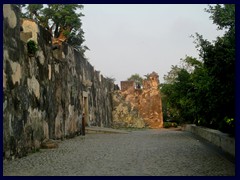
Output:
x,y
46,93
138,107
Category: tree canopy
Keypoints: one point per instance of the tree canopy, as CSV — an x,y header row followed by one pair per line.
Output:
x,y
205,95
138,80
63,21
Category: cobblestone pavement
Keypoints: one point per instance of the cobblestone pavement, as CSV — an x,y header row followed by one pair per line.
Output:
x,y
138,153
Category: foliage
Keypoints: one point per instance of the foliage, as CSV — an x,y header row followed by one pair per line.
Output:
x,y
227,125
137,79
32,47
61,20
169,124
202,91
172,75
110,79
223,15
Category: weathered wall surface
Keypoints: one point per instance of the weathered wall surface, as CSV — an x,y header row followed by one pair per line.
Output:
x,y
222,140
126,113
46,94
138,107
127,85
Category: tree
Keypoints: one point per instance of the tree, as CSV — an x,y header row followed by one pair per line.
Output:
x,y
170,78
138,80
178,93
63,21
202,91
219,62
223,16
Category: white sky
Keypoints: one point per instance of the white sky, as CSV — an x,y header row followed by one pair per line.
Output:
x,y
141,38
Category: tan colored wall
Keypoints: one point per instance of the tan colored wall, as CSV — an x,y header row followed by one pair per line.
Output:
x,y
127,85
30,26
131,106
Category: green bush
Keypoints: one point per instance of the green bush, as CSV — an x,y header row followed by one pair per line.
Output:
x,y
32,47
227,125
169,124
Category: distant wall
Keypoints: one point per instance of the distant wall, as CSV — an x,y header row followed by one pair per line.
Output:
x,y
138,108
127,85
45,95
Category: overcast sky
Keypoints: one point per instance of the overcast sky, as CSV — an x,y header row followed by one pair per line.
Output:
x,y
128,39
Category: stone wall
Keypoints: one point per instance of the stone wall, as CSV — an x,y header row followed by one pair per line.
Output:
x,y
127,85
221,140
46,94
126,113
138,107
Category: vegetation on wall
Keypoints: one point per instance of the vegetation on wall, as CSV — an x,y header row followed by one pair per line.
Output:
x,y
32,47
63,21
202,90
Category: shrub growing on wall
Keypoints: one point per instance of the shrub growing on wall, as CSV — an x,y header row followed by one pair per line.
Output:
x,y
32,47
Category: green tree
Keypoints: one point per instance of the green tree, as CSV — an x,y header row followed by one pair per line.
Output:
x,y
219,62
202,91
223,16
63,21
170,78
178,93
138,80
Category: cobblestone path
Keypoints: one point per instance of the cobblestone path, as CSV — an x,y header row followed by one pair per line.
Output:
x,y
138,153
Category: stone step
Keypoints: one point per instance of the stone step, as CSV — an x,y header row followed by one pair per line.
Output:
x,y
95,129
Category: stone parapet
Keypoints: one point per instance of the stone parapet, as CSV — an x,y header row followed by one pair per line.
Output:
x,y
221,140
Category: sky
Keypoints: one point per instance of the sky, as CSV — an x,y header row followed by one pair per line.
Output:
x,y
126,39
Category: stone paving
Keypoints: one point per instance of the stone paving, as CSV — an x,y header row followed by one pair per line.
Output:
x,y
137,153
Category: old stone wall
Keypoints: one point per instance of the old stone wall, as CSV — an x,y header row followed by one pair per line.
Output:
x,y
125,112
127,85
45,94
221,140
138,108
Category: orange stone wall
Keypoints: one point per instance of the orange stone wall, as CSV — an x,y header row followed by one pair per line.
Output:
x,y
147,101
127,85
